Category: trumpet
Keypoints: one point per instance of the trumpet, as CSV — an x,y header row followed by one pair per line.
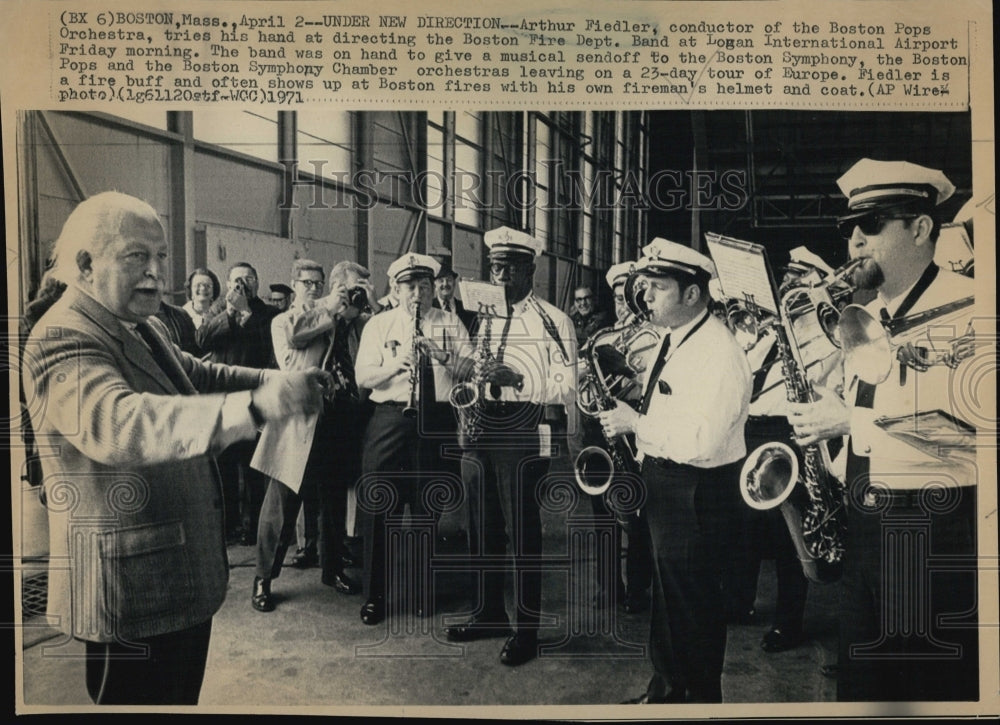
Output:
x,y
413,403
869,345
824,300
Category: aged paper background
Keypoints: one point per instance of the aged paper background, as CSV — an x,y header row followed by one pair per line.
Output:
x,y
32,66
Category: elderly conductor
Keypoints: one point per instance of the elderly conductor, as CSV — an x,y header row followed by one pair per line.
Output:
x,y
138,559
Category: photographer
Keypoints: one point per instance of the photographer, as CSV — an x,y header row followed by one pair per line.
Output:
x,y
317,332
240,335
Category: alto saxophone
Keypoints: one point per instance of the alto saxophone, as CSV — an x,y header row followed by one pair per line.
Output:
x,y
468,397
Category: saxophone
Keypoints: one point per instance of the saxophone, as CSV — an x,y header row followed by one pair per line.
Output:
x,y
814,512
468,397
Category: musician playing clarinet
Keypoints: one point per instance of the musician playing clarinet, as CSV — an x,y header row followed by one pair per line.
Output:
x,y
689,432
408,356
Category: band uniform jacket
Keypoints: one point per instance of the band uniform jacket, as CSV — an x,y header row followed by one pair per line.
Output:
x,y
133,493
894,462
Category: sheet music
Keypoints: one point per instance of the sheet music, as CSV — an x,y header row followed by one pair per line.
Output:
x,y
483,297
743,270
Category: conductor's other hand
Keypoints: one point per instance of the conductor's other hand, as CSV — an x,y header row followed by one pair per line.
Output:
x,y
290,393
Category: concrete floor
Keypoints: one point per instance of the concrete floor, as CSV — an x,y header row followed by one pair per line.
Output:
x,y
314,652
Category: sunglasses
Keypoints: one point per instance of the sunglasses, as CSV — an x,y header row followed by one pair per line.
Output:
x,y
869,224
500,267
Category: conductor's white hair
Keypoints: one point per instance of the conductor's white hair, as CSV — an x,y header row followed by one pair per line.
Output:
x,y
91,226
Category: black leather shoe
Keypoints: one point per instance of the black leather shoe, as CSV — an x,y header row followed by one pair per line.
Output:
x,y
343,584
636,601
304,559
478,627
261,598
518,649
648,699
373,611
778,641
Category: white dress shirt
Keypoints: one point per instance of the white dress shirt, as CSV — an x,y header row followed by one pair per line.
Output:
x,y
699,407
389,335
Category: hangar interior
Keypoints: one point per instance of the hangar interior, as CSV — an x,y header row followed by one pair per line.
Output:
x,y
268,186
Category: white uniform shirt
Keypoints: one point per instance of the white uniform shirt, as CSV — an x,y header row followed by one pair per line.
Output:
x,y
895,463
549,371
699,407
389,335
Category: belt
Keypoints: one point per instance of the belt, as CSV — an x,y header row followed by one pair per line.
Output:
x,y
391,403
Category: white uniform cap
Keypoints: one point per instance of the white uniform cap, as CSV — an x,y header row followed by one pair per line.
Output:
x,y
803,260
871,184
618,273
414,265
505,240
662,255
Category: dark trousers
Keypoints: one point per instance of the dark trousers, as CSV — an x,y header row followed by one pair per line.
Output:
x,y
399,461
501,475
243,489
689,515
632,550
168,672
764,534
331,469
637,574
908,616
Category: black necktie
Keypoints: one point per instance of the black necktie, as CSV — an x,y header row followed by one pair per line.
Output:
x,y
654,374
162,359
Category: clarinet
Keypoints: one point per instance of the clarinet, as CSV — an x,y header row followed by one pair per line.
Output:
x,y
412,405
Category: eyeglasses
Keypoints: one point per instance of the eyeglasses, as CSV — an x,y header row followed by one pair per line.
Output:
x,y
311,283
500,267
869,224
584,299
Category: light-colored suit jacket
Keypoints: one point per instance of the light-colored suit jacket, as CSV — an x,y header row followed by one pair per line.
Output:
x,y
133,497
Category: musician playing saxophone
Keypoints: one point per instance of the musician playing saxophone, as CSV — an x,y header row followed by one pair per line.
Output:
x,y
630,583
689,429
410,357
530,384
907,626
765,534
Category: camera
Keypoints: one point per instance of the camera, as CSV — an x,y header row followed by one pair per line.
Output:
x,y
357,297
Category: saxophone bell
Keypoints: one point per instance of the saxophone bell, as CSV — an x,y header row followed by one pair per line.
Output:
x,y
594,470
769,475
463,395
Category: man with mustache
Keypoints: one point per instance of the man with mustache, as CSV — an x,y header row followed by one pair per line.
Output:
x,y
908,613
137,554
